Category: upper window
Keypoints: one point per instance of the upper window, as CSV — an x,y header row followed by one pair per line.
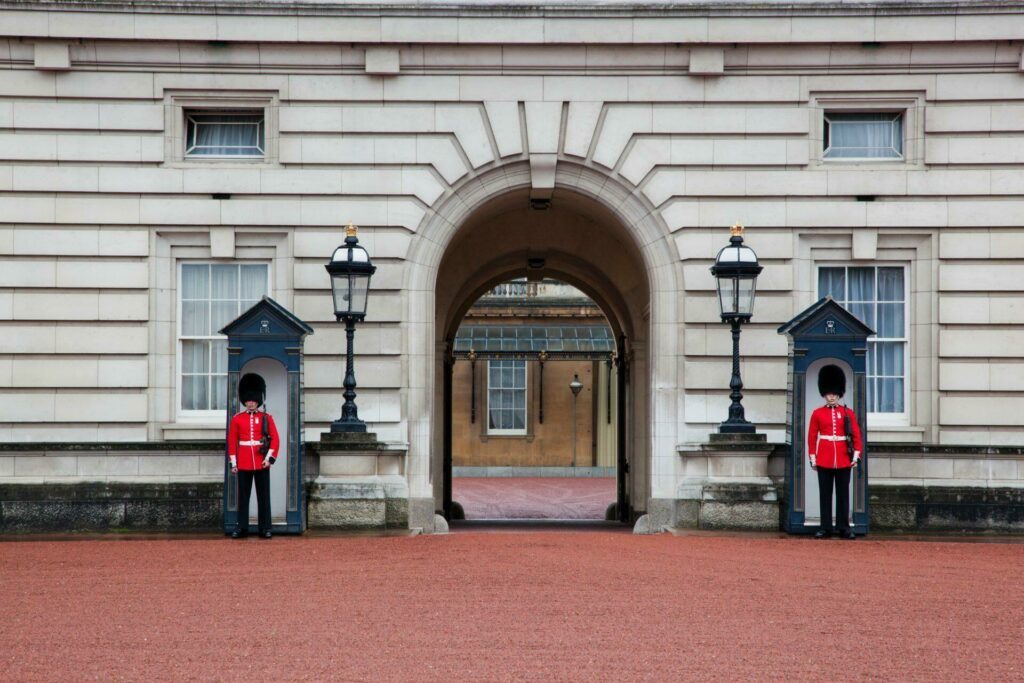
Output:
x,y
225,134
878,297
211,295
506,397
863,135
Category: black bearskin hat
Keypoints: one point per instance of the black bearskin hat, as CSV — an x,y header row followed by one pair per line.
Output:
x,y
252,387
832,380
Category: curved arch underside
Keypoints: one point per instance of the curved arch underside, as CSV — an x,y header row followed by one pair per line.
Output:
x,y
598,236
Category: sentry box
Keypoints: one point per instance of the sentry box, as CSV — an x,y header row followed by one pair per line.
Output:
x,y
824,334
267,340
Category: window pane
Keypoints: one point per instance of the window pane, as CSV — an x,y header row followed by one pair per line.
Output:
x,y
219,356
864,312
253,283
194,394
209,301
195,281
832,282
890,284
864,135
877,296
210,133
862,284
224,282
220,392
890,320
223,313
889,358
195,318
195,357
890,395
507,395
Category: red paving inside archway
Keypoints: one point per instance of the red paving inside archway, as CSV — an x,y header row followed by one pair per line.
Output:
x,y
534,497
502,606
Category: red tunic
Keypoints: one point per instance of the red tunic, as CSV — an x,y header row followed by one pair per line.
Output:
x,y
244,436
826,437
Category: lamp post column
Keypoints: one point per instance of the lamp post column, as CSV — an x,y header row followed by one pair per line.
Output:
x,y
737,422
349,421
575,386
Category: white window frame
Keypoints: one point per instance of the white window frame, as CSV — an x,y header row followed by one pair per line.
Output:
x,y
191,117
833,119
883,419
526,400
201,416
910,103
178,102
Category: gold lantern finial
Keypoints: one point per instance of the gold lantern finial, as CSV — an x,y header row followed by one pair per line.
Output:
x,y
736,230
350,230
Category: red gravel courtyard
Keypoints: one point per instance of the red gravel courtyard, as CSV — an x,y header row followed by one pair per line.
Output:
x,y
511,606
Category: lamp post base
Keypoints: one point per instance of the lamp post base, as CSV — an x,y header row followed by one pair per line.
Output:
x,y
737,428
348,426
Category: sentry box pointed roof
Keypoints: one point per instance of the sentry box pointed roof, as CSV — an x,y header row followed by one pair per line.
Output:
x,y
267,319
826,319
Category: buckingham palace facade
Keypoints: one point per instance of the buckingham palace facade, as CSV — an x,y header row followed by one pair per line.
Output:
x,y
164,166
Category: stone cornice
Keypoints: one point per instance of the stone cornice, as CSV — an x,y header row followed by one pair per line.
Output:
x,y
508,22
513,9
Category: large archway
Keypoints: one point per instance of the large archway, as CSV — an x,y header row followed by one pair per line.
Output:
x,y
598,236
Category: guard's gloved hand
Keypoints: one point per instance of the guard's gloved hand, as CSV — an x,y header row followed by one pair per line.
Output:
x,y
814,463
856,460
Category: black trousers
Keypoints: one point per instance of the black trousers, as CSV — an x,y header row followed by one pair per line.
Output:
x,y
245,480
841,479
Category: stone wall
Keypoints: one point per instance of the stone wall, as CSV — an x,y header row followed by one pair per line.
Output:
x,y
694,117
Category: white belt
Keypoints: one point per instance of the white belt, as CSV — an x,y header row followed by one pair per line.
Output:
x,y
823,437
260,443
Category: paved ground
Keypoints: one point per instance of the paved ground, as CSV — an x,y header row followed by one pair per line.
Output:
x,y
527,605
534,497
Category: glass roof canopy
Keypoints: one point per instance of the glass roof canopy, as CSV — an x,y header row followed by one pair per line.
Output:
x,y
493,341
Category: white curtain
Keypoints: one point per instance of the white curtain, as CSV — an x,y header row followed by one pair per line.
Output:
x,y
877,296
865,136
212,295
195,300
225,134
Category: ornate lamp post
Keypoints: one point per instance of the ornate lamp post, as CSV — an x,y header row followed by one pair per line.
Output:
x,y
575,386
736,270
350,270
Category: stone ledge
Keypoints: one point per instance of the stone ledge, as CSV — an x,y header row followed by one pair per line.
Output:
x,y
108,506
147,447
874,448
953,509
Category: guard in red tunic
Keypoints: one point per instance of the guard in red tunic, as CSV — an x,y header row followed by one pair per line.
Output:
x,y
830,453
253,445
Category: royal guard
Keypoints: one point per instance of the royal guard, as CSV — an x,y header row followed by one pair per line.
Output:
x,y
253,445
834,446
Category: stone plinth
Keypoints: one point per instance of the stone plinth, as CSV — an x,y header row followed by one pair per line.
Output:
x,y
361,484
725,485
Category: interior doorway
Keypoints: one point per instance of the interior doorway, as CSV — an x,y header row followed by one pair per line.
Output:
x,y
534,407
